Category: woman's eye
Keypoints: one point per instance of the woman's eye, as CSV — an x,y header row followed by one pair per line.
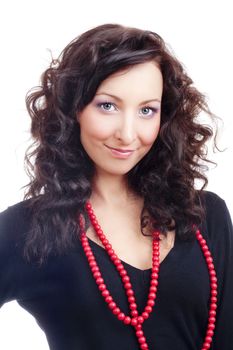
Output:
x,y
149,111
106,106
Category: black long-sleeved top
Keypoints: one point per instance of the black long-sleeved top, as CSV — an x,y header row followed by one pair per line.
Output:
x,y
64,298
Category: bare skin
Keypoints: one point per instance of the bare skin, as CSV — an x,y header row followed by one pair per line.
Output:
x,y
120,222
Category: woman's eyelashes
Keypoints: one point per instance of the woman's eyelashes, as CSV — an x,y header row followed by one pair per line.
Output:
x,y
106,106
144,112
149,112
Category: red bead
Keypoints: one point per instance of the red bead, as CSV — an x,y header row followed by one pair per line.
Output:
x,y
126,279
118,262
212,313
211,326
212,320
205,249
102,286
207,253
91,258
213,299
206,346
213,279
120,267
154,283
210,266
128,285
210,333
139,333
127,320
121,316
116,310
212,273
105,293
140,319
154,275
113,257
214,286
152,295
150,302
131,299
209,259
145,315
94,268
96,274
134,313
214,293
133,306
213,306
99,280
202,241
108,299
141,340
148,309
123,273
134,321
111,305
199,236
86,248
155,269
129,292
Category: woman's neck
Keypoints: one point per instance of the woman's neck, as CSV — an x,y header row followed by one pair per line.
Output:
x,y
110,190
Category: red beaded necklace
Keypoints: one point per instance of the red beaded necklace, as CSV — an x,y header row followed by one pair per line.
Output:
x,y
135,319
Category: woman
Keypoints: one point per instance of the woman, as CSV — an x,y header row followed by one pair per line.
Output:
x,y
113,247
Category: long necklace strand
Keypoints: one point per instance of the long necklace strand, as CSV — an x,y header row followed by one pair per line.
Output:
x,y
135,319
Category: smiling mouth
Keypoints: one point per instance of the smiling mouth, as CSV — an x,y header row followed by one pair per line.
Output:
x,y
120,149
119,152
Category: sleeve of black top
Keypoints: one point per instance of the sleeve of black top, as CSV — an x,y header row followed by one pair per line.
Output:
x,y
220,233
13,225
6,259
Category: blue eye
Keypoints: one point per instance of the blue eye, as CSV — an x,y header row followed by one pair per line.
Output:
x,y
149,111
106,106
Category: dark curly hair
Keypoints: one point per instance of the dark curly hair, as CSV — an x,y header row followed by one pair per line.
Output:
x,y
61,171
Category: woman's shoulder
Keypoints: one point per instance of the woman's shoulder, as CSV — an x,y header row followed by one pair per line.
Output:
x,y
218,222
215,206
15,221
18,211
211,198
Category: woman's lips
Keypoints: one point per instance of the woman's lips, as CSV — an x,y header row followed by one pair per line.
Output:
x,y
119,152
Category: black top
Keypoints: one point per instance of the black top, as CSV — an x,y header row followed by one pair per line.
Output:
x,y
63,297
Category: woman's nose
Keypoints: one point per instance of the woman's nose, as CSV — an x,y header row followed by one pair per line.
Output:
x,y
126,131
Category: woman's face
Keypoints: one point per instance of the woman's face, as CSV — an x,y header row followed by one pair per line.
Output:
x,y
119,126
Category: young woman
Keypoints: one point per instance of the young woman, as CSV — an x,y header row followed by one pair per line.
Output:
x,y
113,246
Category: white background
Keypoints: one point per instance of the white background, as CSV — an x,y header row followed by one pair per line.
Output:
x,y
200,35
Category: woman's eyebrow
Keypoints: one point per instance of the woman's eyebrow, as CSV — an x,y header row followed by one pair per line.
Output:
x,y
120,100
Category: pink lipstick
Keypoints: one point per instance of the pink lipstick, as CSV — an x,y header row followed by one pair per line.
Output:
x,y
120,153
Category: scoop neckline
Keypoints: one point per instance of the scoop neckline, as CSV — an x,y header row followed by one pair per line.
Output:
x,y
99,248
